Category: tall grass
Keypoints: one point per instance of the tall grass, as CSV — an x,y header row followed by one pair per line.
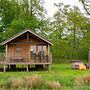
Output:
x,y
30,83
83,80
61,75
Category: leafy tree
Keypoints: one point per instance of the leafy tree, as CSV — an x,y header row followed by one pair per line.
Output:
x,y
17,15
70,25
9,10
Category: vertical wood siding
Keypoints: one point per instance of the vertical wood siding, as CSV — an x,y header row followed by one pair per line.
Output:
x,y
21,42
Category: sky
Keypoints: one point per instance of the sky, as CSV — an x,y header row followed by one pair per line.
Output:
x,y
51,8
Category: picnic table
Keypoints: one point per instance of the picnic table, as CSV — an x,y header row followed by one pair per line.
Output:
x,y
75,63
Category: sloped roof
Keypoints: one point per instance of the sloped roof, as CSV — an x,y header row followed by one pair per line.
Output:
x,y
22,32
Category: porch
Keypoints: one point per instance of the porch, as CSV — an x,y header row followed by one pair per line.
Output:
x,y
7,61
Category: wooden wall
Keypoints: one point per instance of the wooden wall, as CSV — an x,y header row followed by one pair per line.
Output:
x,y
24,43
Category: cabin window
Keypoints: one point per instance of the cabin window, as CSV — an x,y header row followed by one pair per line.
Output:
x,y
42,53
18,49
42,49
39,49
33,49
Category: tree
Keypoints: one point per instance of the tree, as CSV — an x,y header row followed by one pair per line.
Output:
x,y
70,26
86,5
9,10
17,15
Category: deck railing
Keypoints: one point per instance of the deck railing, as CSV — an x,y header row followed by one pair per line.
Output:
x,y
21,58
2,57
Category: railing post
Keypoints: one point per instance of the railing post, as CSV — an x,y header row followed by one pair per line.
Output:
x,y
48,48
36,53
41,53
51,58
48,53
27,68
4,68
6,51
89,56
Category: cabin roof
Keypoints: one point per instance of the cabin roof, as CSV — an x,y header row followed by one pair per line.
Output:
x,y
22,32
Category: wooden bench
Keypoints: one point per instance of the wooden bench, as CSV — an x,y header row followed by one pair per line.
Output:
x,y
16,59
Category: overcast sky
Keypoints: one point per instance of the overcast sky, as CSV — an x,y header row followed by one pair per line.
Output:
x,y
51,8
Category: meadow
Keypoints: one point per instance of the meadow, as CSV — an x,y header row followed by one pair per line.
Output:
x,y
68,78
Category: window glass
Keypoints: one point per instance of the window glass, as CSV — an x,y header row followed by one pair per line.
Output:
x,y
39,49
18,49
33,49
44,49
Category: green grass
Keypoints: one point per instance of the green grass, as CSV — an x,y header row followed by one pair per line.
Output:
x,y
59,72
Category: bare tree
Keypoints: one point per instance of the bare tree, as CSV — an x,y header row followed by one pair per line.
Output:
x,y
86,5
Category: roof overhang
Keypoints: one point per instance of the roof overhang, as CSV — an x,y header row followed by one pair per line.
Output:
x,y
22,32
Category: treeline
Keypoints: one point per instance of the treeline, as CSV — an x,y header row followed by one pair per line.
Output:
x,y
69,30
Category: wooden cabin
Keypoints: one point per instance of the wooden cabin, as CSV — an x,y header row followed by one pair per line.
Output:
x,y
27,48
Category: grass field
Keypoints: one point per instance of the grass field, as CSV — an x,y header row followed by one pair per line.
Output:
x,y
59,72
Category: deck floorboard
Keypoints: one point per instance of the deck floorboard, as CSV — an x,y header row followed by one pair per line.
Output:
x,y
24,63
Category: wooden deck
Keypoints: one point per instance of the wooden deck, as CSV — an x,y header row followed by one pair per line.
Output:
x,y
27,64
24,63
5,61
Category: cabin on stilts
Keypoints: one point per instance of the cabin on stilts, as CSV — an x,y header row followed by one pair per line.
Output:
x,y
26,48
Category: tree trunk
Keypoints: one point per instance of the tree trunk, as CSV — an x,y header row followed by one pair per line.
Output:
x,y
89,56
74,44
